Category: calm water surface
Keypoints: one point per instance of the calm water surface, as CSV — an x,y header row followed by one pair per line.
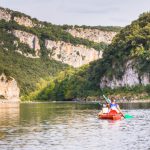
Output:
x,y
48,126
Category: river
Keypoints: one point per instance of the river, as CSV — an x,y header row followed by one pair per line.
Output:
x,y
71,126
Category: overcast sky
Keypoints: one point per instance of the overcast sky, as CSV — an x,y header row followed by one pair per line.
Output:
x,y
81,12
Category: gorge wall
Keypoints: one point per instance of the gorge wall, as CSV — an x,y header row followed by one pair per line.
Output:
x,y
93,34
41,40
75,56
128,59
31,40
131,77
4,14
9,89
25,21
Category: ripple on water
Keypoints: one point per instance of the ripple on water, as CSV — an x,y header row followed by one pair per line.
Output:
x,y
44,129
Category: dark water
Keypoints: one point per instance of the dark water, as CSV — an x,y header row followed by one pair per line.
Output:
x,y
50,126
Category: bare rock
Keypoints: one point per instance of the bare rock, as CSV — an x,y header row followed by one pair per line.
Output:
x,y
31,40
9,89
75,56
25,21
4,14
131,77
93,34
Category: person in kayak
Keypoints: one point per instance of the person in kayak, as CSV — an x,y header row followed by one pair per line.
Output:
x,y
114,106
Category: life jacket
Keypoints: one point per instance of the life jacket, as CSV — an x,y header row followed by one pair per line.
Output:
x,y
113,107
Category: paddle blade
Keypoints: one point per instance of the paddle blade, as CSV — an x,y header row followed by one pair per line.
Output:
x,y
107,99
128,116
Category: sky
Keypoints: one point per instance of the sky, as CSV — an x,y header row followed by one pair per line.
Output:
x,y
81,12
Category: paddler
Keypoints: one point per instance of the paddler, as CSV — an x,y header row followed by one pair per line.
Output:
x,y
114,106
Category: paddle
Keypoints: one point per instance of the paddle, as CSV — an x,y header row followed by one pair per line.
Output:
x,y
126,116
107,99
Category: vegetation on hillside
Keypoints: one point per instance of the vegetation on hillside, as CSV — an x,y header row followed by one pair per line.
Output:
x,y
133,43
26,71
57,33
101,28
83,84
29,71
53,81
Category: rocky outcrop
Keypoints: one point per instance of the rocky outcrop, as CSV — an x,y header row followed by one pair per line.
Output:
x,y
25,21
75,56
4,14
31,40
131,77
8,89
93,34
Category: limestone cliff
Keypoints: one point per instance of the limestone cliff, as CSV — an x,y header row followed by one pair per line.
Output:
x,y
25,21
8,15
31,40
8,88
4,14
129,56
93,34
75,56
131,77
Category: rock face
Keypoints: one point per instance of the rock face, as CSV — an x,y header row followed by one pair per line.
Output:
x,y
93,34
75,56
25,21
8,89
130,78
31,40
4,14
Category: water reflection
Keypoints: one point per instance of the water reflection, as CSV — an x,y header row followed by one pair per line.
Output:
x,y
9,114
9,117
38,113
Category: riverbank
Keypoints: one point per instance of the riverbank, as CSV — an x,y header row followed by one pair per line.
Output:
x,y
75,104
129,101
79,101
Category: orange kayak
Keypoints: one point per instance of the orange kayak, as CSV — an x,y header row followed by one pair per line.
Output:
x,y
113,115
